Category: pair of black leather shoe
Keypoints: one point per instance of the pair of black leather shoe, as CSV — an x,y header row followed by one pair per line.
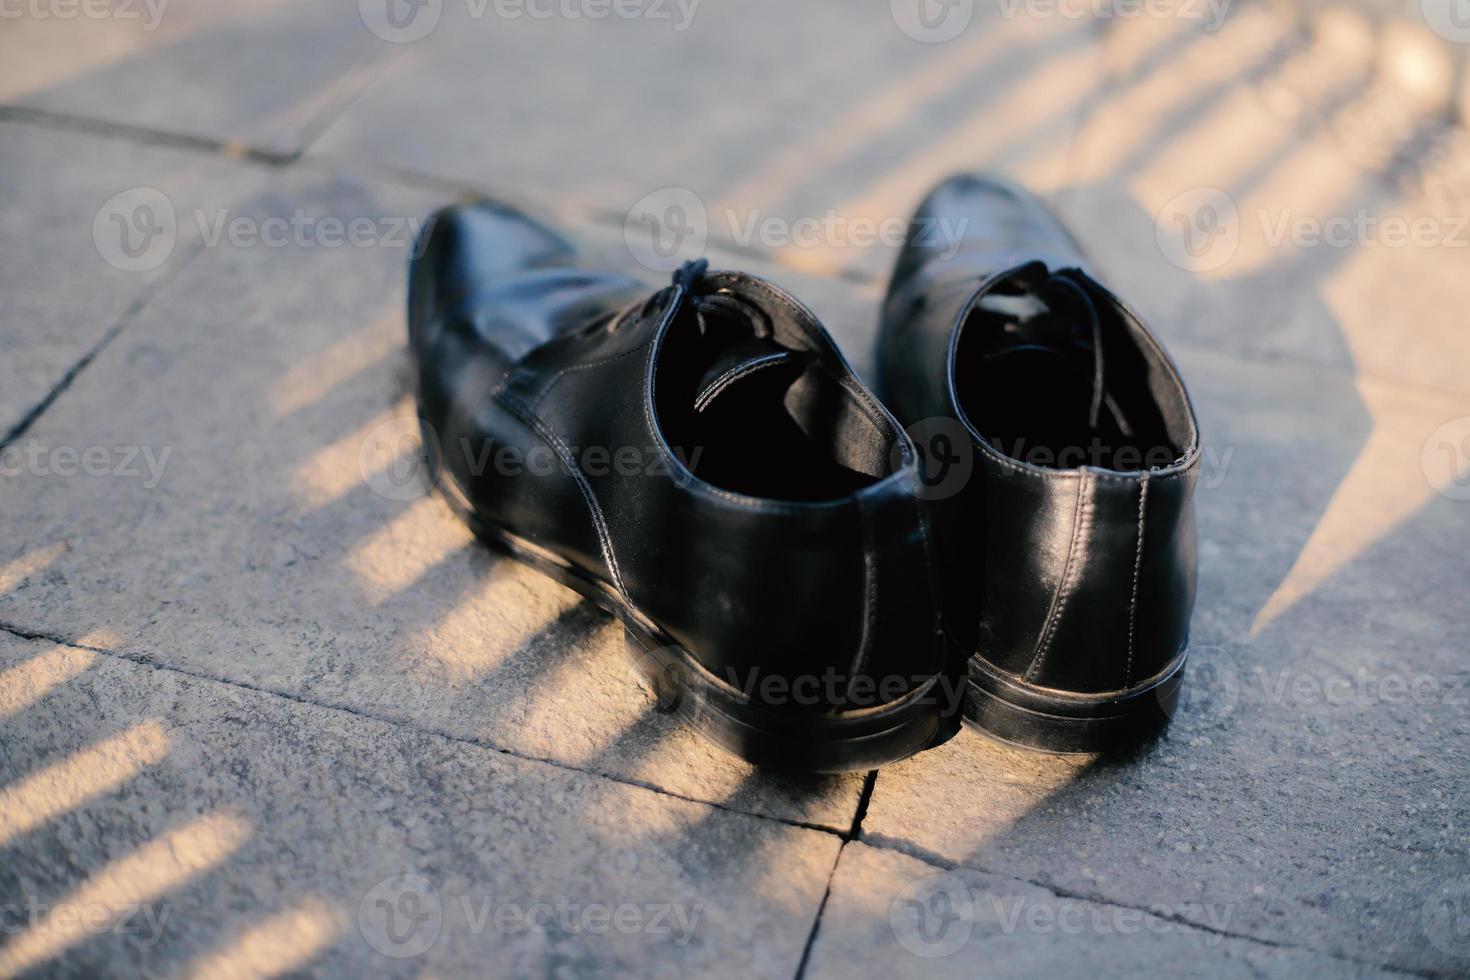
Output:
x,y
797,577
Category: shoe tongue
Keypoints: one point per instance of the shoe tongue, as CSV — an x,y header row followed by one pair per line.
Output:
x,y
1031,323
739,363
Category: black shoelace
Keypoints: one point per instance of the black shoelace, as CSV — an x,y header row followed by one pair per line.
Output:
x,y
1095,322
688,281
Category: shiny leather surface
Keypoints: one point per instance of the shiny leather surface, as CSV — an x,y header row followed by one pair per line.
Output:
x,y
518,348
1077,579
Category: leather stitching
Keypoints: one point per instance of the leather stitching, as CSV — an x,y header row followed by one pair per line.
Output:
x,y
522,411
1137,566
694,485
552,382
870,596
706,396
1081,519
876,412
1172,472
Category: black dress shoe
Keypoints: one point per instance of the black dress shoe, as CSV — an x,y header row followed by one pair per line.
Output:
x,y
699,461
1068,551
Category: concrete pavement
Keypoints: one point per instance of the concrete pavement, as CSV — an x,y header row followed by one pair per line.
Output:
x,y
263,710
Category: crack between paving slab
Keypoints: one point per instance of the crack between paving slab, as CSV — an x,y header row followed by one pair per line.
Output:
x,y
147,135
135,308
603,217
909,849
853,833
892,845
315,129
358,81
142,659
600,216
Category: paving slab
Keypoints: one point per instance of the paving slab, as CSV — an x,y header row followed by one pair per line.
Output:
x,y
245,525
87,227
266,75
893,915
1312,780
152,821
1263,188
808,136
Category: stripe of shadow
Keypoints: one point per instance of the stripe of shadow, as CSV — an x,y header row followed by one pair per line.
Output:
x,y
333,51
342,362
758,850
527,668
988,79
636,744
292,940
29,681
1178,120
872,114
828,70
1302,269
177,866
89,772
543,659
147,874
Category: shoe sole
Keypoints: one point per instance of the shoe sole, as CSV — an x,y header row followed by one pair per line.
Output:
x,y
1050,721
800,741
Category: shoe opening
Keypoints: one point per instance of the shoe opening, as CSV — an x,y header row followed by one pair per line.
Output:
x,y
1052,371
752,405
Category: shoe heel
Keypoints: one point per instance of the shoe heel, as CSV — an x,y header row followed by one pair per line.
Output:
x,y
794,739
1033,718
